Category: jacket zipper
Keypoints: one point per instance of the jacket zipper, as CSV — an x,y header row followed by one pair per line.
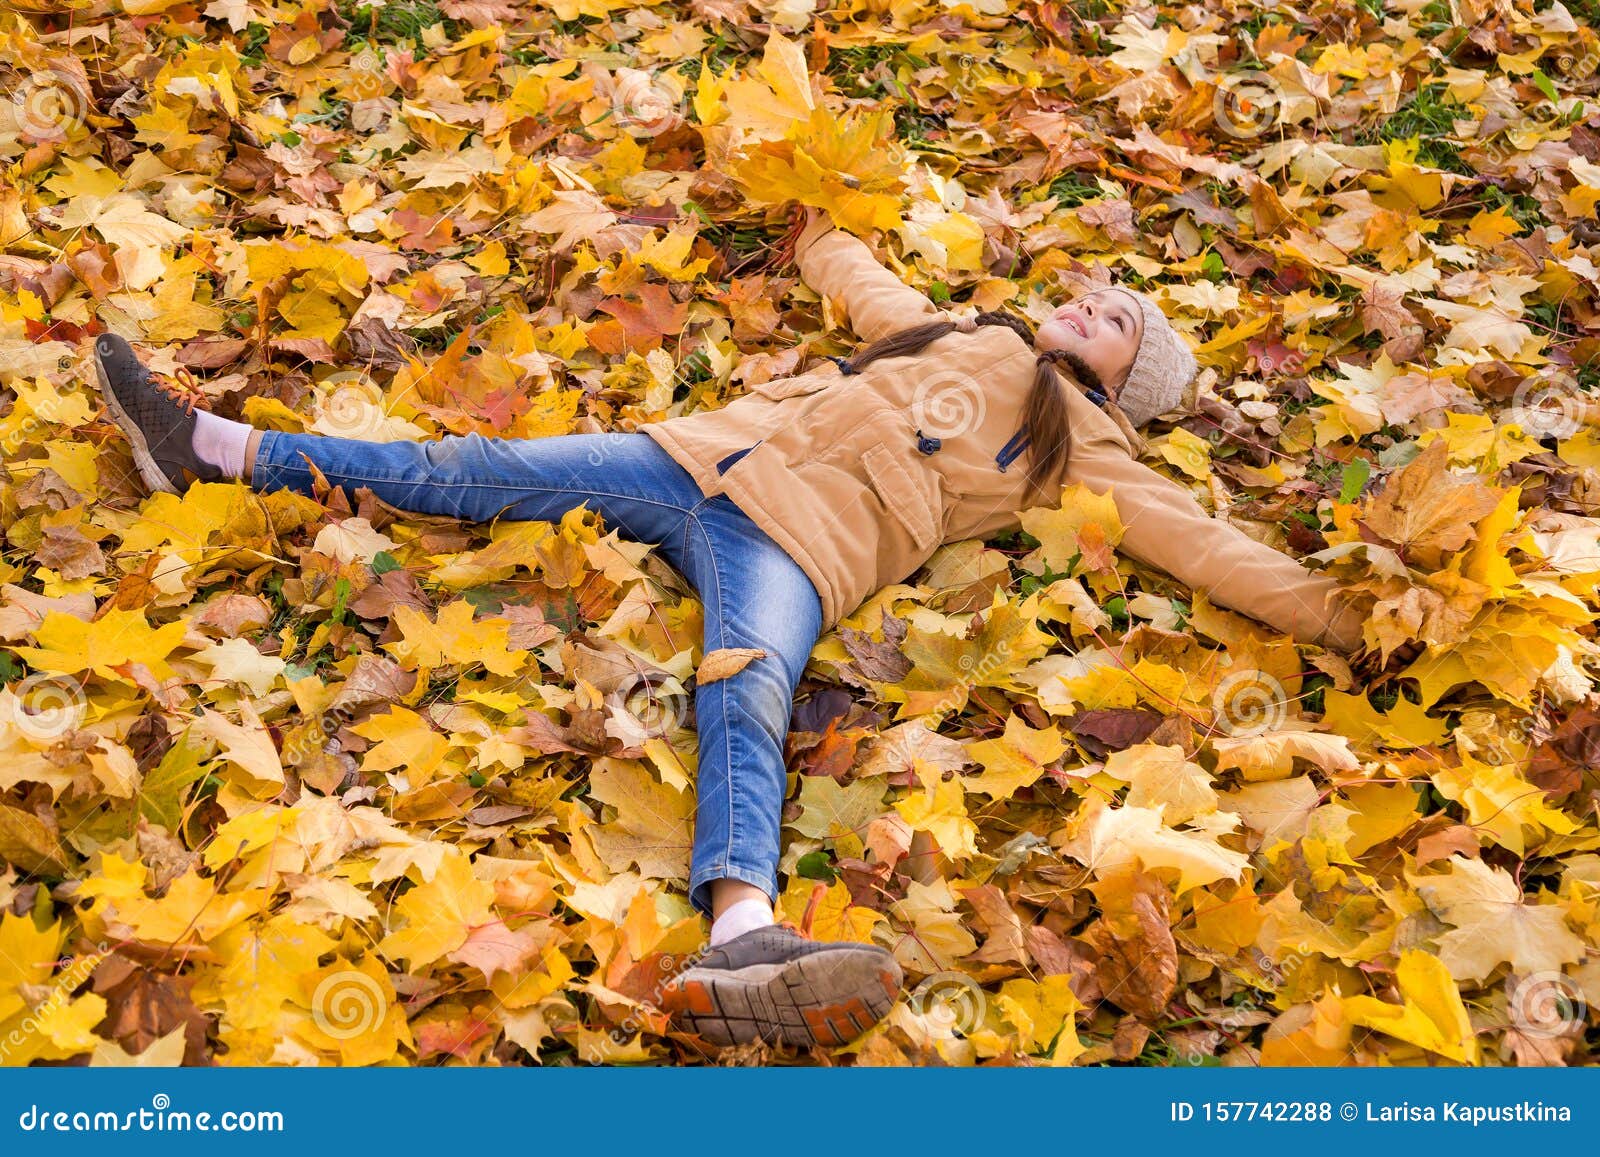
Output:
x,y
1019,441
1010,451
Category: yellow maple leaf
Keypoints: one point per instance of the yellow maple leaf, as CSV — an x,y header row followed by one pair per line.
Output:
x,y
1494,923
832,916
938,937
165,1052
263,966
1060,529
829,808
68,645
1042,1013
59,1028
653,828
1188,452
405,740
436,917
27,957
185,521
1405,725
1271,755
1431,1015
1426,512
354,1013
1015,760
1161,774
946,666
190,911
940,809
1476,440
1108,840
454,638
1500,803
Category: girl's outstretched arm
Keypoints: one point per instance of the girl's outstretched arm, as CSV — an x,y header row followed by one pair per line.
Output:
x,y
839,265
1164,527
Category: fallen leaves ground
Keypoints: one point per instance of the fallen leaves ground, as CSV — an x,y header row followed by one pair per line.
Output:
x,y
299,781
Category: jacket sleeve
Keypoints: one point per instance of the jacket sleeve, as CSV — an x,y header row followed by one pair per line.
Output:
x,y
1164,527
839,265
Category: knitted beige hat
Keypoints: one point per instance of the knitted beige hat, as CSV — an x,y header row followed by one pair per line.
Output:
x,y
1162,368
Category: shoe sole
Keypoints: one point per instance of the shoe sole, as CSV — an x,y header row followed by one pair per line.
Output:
x,y
154,477
826,998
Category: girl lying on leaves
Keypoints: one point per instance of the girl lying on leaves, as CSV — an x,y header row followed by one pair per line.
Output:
x,y
785,509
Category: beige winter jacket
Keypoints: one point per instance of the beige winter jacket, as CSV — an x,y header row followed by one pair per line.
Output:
x,y
838,480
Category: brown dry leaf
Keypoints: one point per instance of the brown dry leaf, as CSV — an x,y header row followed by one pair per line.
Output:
x,y
720,664
1425,510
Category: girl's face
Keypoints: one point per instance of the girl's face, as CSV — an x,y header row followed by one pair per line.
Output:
x,y
1102,329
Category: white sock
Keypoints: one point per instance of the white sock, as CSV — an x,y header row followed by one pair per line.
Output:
x,y
739,919
221,442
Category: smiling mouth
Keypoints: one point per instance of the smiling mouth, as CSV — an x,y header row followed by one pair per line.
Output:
x,y
1078,325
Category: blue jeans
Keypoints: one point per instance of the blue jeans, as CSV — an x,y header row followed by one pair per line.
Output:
x,y
753,593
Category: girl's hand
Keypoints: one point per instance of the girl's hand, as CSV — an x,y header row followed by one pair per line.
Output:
x,y
1404,655
801,218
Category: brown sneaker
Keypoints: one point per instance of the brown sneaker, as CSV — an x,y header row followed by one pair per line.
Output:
x,y
155,413
773,985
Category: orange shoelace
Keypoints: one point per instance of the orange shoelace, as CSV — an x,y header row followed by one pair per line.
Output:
x,y
183,388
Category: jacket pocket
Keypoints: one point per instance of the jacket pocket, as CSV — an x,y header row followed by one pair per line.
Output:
x,y
904,494
792,387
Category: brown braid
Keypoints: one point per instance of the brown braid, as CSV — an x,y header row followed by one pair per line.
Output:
x,y
1044,413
